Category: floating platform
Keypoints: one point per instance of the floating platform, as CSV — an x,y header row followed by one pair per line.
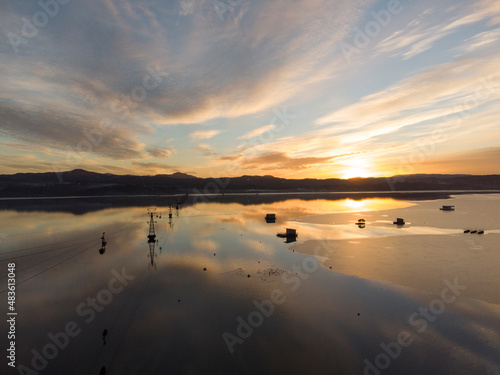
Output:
x,y
290,233
361,223
270,218
447,208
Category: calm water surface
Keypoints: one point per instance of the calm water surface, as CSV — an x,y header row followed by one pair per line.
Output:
x,y
220,293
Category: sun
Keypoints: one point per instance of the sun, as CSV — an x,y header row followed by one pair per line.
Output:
x,y
355,172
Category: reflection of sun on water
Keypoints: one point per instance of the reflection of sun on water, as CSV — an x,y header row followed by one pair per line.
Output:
x,y
356,204
370,204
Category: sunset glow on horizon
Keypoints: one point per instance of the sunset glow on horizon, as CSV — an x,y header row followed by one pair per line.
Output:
x,y
323,89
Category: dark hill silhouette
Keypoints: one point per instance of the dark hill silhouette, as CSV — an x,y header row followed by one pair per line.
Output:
x,y
81,182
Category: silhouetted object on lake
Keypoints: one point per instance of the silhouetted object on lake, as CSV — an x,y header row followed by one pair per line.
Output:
x,y
474,231
399,221
104,334
290,235
448,208
102,250
361,223
270,218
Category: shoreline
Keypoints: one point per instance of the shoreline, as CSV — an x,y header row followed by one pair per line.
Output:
x,y
345,194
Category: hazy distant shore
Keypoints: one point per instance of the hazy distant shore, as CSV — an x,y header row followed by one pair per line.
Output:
x,y
84,204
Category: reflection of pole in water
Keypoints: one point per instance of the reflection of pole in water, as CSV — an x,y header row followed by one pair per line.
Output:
x,y
152,255
152,235
104,334
103,244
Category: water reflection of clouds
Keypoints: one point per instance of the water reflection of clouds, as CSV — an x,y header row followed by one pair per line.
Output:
x,y
319,319
238,220
204,245
257,246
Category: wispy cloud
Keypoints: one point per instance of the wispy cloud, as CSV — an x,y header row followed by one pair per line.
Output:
x,y
206,150
479,41
257,132
279,160
203,134
421,34
160,152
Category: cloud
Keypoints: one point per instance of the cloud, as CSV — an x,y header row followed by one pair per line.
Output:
x,y
279,160
154,167
206,150
257,132
204,134
187,7
421,34
230,157
215,69
425,96
159,152
479,41
48,127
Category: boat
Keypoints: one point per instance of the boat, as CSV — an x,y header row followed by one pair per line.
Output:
x,y
399,221
448,208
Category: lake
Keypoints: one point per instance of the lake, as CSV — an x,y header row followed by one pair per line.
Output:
x,y
216,291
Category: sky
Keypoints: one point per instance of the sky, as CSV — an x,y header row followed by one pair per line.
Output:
x,y
294,89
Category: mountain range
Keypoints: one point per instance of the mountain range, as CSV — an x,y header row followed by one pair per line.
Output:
x,y
80,182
